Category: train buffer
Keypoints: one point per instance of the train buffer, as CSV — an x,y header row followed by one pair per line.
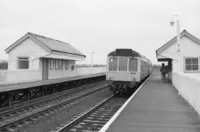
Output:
x,y
156,107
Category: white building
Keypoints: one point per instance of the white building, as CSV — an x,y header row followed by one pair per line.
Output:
x,y
187,59
35,57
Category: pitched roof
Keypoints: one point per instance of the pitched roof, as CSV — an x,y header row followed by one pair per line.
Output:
x,y
49,44
173,40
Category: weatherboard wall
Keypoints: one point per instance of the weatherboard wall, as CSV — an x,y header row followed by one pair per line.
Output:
x,y
27,48
188,48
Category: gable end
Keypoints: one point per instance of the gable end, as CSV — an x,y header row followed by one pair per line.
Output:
x,y
19,41
173,40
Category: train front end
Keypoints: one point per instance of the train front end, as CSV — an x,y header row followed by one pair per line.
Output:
x,y
122,71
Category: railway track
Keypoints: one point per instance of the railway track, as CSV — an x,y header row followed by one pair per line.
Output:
x,y
22,115
48,97
95,118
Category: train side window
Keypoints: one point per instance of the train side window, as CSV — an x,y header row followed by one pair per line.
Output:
x,y
113,64
133,64
123,64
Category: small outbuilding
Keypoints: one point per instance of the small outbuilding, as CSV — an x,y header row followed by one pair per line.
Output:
x,y
40,58
187,59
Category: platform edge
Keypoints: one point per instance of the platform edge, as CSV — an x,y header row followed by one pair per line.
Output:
x,y
107,125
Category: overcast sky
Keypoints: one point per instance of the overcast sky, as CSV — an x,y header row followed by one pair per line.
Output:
x,y
98,26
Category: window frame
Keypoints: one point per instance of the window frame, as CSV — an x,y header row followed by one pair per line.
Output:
x,y
61,64
18,62
191,71
66,64
52,61
127,59
56,64
136,64
117,59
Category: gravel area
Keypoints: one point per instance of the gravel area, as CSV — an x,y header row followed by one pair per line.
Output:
x,y
53,120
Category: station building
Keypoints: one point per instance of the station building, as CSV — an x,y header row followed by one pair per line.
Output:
x,y
35,57
187,59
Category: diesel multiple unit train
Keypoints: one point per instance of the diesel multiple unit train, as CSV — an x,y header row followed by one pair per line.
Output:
x,y
126,69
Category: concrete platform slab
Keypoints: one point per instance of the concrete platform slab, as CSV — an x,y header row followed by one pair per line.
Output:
x,y
157,107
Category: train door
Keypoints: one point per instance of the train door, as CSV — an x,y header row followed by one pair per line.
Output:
x,y
45,69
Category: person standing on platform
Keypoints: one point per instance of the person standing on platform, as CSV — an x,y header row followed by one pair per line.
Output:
x,y
167,71
163,71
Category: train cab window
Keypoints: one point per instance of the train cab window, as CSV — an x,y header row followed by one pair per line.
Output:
x,y
113,64
133,64
123,64
23,63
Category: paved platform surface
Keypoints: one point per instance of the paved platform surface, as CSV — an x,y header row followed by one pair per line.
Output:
x,y
157,107
25,85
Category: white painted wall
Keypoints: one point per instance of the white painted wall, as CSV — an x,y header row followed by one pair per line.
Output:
x,y
60,73
27,48
188,87
24,75
188,48
18,76
54,74
3,75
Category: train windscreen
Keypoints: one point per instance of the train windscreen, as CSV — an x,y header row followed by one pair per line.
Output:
x,y
113,64
123,64
133,64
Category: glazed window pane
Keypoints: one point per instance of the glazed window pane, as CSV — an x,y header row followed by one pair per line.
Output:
x,y
133,64
123,64
113,64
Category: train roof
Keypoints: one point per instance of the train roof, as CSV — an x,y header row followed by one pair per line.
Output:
x,y
125,52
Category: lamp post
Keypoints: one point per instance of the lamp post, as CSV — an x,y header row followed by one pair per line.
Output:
x,y
172,23
177,28
91,59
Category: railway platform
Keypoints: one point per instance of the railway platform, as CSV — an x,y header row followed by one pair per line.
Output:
x,y
25,85
16,93
156,107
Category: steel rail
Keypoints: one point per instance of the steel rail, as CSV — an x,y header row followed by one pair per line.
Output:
x,y
47,109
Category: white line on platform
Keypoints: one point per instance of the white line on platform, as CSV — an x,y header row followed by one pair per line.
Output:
x,y
107,125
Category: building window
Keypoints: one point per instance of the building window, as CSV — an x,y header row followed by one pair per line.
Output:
x,y
51,64
57,65
66,64
23,63
72,67
191,64
60,64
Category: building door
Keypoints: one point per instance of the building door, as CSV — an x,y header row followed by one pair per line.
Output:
x,y
45,69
